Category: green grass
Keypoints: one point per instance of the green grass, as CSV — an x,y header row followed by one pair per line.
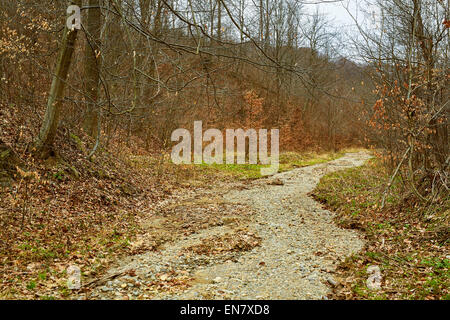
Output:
x,y
288,161
241,171
186,172
355,190
31,285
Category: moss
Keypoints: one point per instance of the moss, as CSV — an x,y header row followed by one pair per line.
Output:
x,y
78,142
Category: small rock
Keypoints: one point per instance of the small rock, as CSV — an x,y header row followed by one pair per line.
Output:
x,y
332,282
164,277
229,220
217,280
107,289
302,268
312,277
276,182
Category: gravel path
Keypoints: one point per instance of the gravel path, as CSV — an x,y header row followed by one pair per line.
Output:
x,y
299,250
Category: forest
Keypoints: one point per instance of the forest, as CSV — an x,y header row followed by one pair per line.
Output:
x,y
94,206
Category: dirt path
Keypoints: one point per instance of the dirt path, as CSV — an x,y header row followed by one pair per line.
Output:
x,y
294,248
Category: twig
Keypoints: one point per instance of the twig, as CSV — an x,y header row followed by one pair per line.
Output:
x,y
388,187
104,279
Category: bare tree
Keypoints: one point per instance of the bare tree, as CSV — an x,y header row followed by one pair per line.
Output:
x,y
409,51
43,144
92,65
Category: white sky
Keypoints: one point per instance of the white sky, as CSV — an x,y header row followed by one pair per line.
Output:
x,y
336,10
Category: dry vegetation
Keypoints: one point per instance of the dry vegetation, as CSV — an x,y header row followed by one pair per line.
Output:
x,y
409,241
86,118
71,210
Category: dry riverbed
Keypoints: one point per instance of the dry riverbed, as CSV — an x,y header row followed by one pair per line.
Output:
x,y
282,246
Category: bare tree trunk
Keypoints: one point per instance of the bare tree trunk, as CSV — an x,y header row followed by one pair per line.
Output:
x,y
261,20
43,143
144,9
267,26
219,21
241,20
92,64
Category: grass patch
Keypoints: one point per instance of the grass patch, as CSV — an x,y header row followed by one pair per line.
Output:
x,y
410,243
288,161
240,171
162,166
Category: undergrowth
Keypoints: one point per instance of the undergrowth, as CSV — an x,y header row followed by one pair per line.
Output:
x,y
407,240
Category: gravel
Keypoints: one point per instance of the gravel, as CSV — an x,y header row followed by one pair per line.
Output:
x,y
300,249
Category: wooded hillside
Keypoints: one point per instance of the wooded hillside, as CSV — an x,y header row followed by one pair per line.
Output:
x,y
86,115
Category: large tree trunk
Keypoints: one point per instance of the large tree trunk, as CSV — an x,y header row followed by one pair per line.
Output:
x,y
92,64
43,144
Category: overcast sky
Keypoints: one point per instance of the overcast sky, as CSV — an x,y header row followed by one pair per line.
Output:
x,y
361,10
336,10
